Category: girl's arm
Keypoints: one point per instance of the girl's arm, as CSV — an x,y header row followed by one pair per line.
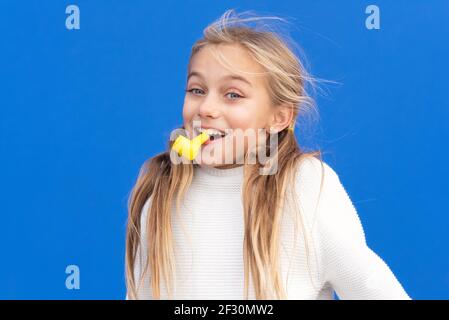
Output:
x,y
144,289
347,262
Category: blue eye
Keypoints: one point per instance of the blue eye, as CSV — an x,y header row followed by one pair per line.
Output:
x,y
191,90
238,96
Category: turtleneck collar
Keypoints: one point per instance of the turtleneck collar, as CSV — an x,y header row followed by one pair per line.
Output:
x,y
213,171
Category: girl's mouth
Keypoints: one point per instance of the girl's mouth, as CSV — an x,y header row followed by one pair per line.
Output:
x,y
213,139
214,135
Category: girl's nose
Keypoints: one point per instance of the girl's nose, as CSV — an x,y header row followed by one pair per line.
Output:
x,y
209,109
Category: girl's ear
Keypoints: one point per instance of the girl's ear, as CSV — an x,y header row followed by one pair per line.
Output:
x,y
282,117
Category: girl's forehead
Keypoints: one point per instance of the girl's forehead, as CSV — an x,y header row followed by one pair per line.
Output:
x,y
226,59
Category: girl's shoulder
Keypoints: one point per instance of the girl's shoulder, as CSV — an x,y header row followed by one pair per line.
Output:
x,y
312,174
320,192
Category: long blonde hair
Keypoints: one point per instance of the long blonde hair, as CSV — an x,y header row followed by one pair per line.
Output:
x,y
165,181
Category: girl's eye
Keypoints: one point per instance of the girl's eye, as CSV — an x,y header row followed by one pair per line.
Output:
x,y
192,90
236,94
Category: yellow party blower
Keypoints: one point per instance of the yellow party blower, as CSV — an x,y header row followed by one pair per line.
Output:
x,y
189,148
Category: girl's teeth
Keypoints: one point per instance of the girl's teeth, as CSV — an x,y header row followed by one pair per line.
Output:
x,y
211,132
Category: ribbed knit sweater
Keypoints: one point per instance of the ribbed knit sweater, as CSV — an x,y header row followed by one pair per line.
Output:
x,y
329,255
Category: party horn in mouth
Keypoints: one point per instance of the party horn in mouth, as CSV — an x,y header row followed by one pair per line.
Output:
x,y
189,148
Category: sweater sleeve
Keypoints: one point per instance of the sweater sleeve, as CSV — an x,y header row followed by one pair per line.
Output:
x,y
348,264
143,287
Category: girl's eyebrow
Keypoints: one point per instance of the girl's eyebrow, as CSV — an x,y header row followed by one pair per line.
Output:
x,y
229,76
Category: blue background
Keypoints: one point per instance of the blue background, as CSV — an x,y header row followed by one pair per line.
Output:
x,y
81,110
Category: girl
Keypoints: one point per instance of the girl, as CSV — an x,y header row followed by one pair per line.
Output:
x,y
236,233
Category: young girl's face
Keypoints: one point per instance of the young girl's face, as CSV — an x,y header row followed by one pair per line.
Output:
x,y
215,98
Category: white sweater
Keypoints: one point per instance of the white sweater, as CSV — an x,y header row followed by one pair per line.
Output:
x,y
208,239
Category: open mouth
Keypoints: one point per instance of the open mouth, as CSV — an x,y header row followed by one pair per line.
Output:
x,y
214,134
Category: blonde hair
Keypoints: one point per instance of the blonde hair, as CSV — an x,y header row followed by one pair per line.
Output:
x,y
165,181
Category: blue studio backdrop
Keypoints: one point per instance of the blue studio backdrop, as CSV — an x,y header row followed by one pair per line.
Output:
x,y
81,110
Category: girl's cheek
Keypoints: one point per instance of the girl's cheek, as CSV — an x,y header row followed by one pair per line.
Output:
x,y
188,114
243,116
